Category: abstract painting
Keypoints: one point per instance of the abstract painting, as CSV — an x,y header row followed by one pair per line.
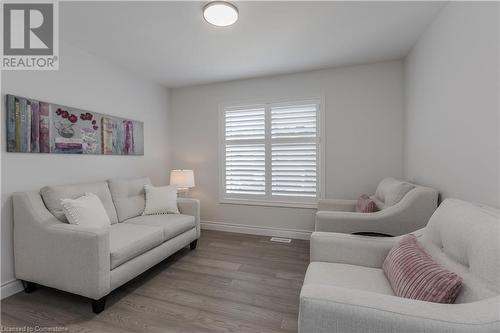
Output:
x,y
40,127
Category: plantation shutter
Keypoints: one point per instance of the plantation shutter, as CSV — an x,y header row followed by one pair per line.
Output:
x,y
245,151
294,150
271,152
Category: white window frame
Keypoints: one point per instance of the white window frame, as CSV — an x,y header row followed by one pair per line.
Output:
x,y
268,199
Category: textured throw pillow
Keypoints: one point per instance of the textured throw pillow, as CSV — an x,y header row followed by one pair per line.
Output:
x,y
86,210
366,205
160,200
414,274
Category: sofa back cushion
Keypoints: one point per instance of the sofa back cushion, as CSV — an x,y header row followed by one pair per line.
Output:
x,y
52,196
128,196
390,191
464,237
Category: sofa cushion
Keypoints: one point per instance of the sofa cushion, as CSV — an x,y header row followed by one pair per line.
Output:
x,y
172,224
366,205
86,211
391,191
161,200
52,196
127,241
414,274
348,276
128,196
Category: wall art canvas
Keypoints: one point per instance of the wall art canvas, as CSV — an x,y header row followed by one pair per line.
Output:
x,y
40,127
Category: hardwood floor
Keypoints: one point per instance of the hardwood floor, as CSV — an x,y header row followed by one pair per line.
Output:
x,y
230,283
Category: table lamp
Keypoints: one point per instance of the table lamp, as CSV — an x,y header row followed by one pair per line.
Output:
x,y
183,179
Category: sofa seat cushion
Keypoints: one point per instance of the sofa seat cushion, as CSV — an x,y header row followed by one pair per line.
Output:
x,y
127,241
172,224
348,276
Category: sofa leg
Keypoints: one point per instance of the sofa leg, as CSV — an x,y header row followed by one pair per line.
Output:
x,y
29,287
98,305
193,244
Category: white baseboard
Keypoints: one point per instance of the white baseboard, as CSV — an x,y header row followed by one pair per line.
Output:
x,y
256,230
10,288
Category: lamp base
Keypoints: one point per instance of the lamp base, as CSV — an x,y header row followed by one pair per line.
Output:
x,y
183,193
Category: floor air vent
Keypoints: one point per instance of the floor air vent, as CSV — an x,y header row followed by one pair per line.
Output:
x,y
281,240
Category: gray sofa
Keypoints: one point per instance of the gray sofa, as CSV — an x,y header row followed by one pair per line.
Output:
x,y
92,262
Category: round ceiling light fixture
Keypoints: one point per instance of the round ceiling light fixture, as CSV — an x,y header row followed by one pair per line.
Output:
x,y
220,13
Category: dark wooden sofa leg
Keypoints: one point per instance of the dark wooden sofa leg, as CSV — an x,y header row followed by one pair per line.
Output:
x,y
98,305
193,244
29,287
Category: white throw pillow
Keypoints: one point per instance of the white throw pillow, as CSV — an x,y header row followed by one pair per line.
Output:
x,y
160,200
86,210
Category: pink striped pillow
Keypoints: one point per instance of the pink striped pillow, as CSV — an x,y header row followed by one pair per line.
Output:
x,y
366,205
414,274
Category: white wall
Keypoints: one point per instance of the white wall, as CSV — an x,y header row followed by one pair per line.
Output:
x,y
88,83
452,96
364,121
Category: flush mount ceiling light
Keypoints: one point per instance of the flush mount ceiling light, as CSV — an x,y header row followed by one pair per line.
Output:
x,y
220,13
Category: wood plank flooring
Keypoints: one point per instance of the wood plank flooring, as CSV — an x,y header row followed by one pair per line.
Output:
x,y
230,283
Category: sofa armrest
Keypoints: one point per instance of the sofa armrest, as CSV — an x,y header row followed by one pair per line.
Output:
x,y
190,206
350,249
337,205
68,257
333,309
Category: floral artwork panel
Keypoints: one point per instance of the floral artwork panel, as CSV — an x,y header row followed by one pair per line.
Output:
x,y
40,127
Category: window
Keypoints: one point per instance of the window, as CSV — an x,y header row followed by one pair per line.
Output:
x,y
271,153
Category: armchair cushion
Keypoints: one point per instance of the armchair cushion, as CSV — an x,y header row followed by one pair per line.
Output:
x,y
127,241
171,224
390,191
128,196
348,276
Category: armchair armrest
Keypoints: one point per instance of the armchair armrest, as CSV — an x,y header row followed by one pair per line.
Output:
x,y
411,213
350,249
337,205
333,309
384,221
59,255
190,206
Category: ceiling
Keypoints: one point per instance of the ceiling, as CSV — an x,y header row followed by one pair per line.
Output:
x,y
170,43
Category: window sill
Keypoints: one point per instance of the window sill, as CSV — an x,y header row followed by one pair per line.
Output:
x,y
251,202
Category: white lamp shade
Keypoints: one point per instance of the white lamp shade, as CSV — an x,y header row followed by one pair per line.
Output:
x,y
182,178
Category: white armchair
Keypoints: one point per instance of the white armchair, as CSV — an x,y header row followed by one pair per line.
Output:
x,y
404,208
345,288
